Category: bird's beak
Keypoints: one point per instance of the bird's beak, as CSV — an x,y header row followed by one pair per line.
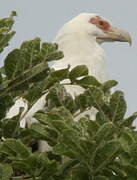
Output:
x,y
117,34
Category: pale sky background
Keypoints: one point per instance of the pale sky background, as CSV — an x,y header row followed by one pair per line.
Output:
x,y
43,18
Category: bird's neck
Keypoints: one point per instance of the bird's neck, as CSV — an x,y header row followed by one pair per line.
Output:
x,y
81,49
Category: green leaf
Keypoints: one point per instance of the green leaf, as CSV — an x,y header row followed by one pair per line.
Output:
x,y
77,72
42,132
32,165
56,114
69,103
88,81
128,121
81,102
4,39
59,125
5,31
30,53
5,104
22,59
58,96
67,167
49,81
11,63
51,119
108,85
44,117
26,77
62,149
15,147
11,126
70,144
23,167
126,139
13,13
96,97
60,74
118,106
34,94
50,51
105,131
92,128
105,154
5,172
88,147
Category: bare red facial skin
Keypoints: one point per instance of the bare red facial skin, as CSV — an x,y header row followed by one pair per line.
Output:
x,y
101,23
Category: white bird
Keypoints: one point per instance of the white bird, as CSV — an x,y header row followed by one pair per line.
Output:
x,y
80,40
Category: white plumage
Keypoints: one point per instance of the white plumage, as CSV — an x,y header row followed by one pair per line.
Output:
x,y
80,40
79,46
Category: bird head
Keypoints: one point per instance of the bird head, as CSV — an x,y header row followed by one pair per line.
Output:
x,y
97,27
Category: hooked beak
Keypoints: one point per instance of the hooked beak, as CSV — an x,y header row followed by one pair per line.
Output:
x,y
117,34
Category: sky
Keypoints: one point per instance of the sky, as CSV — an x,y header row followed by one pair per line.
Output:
x,y
43,18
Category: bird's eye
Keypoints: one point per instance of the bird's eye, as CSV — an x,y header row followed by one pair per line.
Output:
x,y
101,23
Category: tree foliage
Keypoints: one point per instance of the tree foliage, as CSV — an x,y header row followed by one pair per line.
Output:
x,y
87,149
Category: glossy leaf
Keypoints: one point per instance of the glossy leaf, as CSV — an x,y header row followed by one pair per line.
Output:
x,y
78,71
88,81
15,147
108,85
118,106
